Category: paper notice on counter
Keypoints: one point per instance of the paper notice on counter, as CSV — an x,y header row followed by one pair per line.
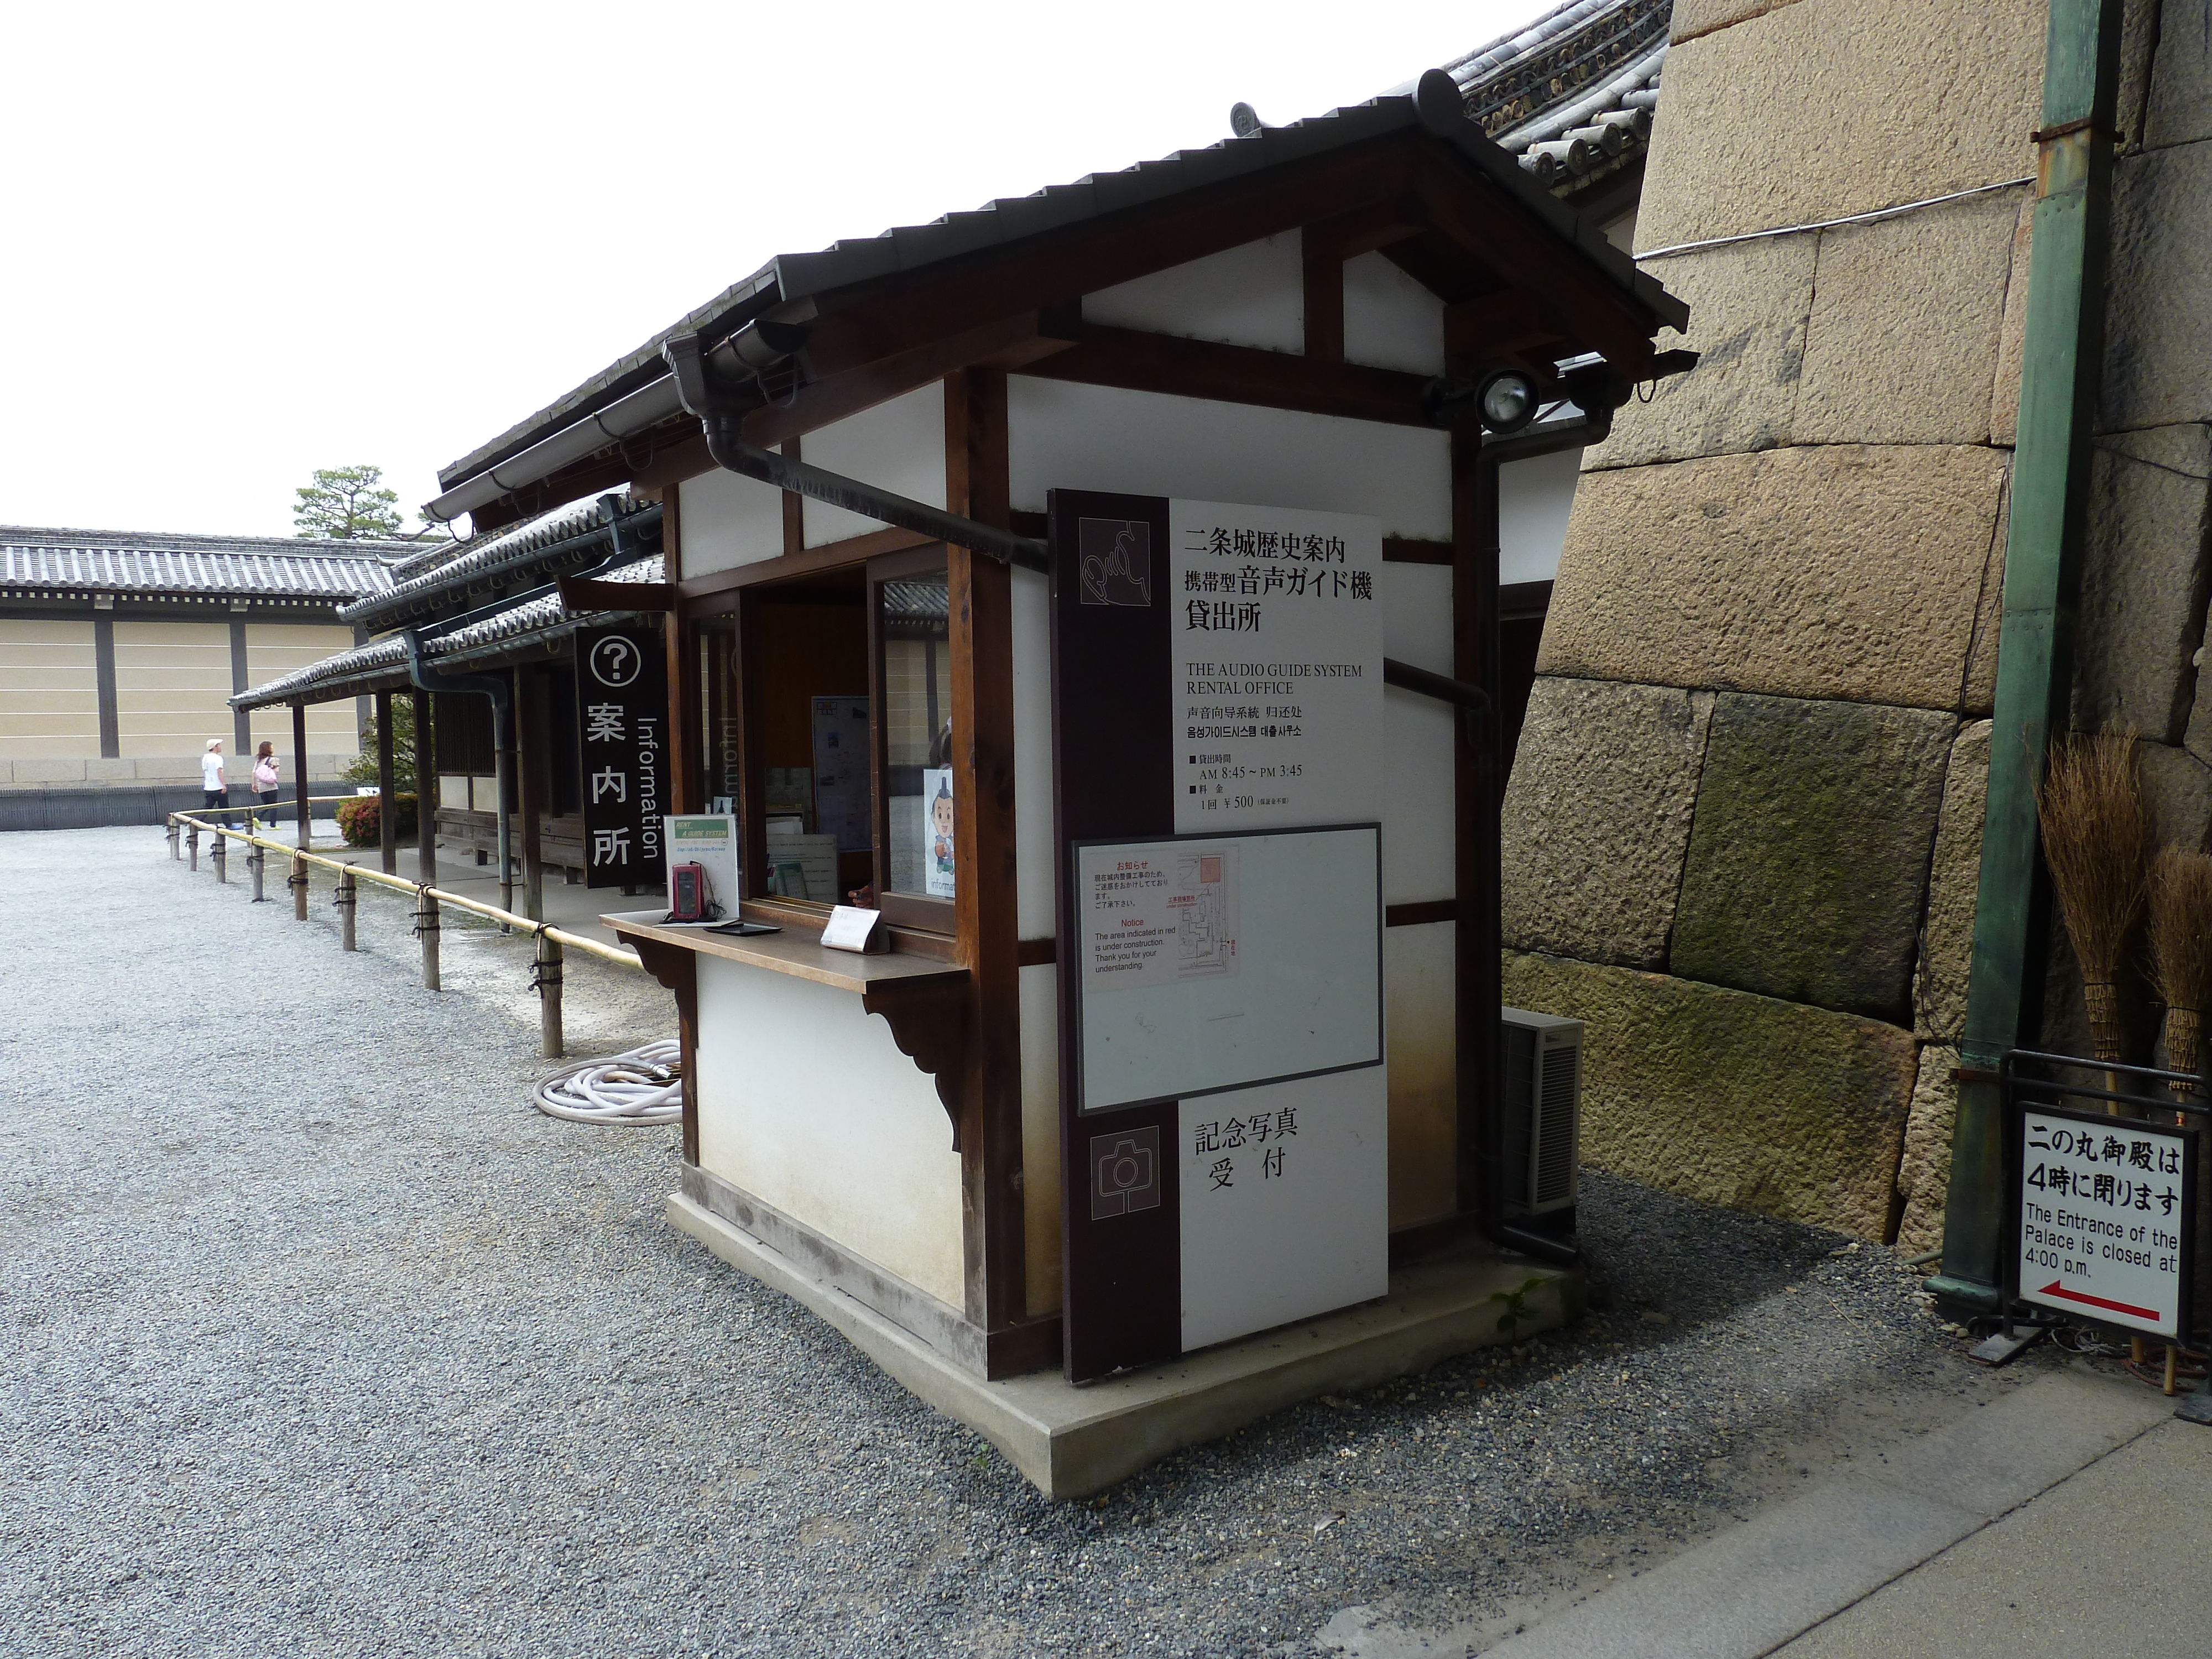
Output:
x,y
1160,916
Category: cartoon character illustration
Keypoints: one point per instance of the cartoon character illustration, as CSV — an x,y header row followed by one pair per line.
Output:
x,y
940,816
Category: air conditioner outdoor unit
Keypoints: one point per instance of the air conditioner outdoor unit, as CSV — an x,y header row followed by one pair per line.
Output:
x,y
1542,1111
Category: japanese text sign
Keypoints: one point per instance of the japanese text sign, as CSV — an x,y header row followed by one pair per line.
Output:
x,y
622,717
2105,1212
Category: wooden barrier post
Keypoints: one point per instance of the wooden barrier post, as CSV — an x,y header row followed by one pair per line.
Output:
x,y
300,772
299,888
345,901
548,994
426,929
192,842
175,851
257,859
220,853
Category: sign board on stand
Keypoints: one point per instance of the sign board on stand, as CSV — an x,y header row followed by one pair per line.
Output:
x,y
1218,671
622,707
2107,1219
710,841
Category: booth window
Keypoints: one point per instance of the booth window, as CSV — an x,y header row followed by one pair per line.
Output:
x,y
918,827
825,722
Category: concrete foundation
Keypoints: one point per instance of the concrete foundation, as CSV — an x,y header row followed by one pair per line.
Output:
x,y
1072,1441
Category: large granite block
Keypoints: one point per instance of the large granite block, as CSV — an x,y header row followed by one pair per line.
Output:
x,y
2177,789
1597,819
2141,610
1955,875
2012,334
1836,571
2158,330
2179,108
1748,309
1808,856
1693,18
1729,1098
1902,348
1829,107
1923,1173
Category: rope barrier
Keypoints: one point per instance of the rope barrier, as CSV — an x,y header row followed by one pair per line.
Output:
x,y
361,872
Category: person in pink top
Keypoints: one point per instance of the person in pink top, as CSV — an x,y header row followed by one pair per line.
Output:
x,y
265,777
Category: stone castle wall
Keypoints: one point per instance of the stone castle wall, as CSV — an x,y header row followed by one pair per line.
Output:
x,y
1742,832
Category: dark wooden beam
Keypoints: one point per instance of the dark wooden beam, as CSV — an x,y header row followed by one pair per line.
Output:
x,y
387,801
854,549
898,313
1163,363
1322,261
977,485
585,593
426,792
1404,550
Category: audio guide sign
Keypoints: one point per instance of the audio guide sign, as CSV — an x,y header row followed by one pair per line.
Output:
x,y
621,721
2107,1211
1217,707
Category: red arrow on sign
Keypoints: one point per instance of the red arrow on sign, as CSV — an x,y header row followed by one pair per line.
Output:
x,y
2054,1288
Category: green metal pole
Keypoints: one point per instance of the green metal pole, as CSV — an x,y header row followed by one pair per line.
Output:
x,y
2060,365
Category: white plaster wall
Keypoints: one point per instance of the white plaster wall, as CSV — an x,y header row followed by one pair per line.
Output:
x,y
1533,500
724,521
1252,295
1040,995
1065,436
1418,977
805,1102
1389,319
898,445
1035,891
1417,812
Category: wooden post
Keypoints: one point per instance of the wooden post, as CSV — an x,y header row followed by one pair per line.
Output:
x,y
426,929
175,851
502,736
345,904
426,801
258,862
387,803
548,995
192,842
534,757
220,853
299,888
300,769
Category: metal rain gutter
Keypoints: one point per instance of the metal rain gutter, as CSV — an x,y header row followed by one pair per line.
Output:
x,y
2061,367
721,411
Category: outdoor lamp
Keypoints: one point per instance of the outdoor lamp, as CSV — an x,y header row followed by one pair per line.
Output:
x,y
1507,400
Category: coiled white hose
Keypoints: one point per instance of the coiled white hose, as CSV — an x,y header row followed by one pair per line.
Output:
x,y
643,1086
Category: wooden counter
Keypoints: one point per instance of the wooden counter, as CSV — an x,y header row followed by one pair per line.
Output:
x,y
794,952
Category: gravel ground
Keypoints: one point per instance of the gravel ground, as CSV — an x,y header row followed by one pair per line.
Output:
x,y
316,1340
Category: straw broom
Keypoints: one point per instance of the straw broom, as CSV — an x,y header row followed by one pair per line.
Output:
x,y
2181,949
2096,843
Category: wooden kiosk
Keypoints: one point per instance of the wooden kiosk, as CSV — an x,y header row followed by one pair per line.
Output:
x,y
1302,319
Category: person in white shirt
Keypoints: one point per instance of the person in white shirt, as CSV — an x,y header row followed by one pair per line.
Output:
x,y
212,786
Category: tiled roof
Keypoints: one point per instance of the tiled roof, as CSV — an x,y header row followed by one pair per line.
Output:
x,y
1571,94
908,248
386,659
247,567
459,565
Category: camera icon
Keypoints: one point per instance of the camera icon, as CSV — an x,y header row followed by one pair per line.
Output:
x,y
1125,1172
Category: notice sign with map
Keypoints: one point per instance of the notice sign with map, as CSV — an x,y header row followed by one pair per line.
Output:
x,y
1158,915
2106,1212
1277,655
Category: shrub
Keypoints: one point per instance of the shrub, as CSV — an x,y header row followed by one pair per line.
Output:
x,y
361,819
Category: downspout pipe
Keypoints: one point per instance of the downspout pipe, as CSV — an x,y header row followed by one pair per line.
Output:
x,y
2062,364
721,411
497,687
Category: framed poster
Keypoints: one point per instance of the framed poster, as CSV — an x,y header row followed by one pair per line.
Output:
x,y
622,740
841,772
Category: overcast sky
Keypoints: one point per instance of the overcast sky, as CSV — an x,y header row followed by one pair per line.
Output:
x,y
247,241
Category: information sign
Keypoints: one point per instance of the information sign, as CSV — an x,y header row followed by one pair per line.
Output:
x,y
2105,1210
622,706
1279,665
